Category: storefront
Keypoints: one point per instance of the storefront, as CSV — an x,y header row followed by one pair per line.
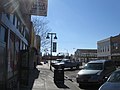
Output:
x,y
11,42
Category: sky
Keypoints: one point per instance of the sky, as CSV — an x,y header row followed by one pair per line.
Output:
x,y
79,24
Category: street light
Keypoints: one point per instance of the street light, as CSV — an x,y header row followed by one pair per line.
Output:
x,y
67,54
55,37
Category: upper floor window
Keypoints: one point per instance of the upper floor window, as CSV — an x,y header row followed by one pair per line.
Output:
x,y
14,19
115,45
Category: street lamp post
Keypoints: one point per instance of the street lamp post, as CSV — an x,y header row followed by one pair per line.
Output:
x,y
55,37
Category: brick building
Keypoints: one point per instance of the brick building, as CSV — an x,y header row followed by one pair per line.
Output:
x,y
109,48
85,54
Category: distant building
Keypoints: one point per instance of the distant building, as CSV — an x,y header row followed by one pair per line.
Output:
x,y
109,48
85,54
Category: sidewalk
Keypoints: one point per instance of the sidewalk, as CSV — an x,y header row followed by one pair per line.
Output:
x,y
42,79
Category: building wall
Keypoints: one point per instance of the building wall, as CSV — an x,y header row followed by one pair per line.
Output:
x,y
109,49
85,54
115,49
115,45
104,49
15,33
15,36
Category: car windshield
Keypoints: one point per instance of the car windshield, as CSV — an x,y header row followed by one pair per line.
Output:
x,y
115,77
94,66
56,61
59,60
65,60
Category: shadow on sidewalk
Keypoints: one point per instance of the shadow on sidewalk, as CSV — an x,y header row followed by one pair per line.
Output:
x,y
34,75
61,85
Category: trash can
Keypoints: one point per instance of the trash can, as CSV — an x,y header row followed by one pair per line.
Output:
x,y
59,74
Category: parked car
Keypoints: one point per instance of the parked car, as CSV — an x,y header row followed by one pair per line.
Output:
x,y
55,61
67,63
94,72
113,82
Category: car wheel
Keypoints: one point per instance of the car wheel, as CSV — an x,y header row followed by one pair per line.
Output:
x,y
81,86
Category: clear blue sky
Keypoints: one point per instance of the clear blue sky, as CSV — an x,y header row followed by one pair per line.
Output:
x,y
81,23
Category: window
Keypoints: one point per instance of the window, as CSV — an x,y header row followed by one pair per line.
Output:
x,y
2,33
94,66
115,77
18,24
108,48
21,45
115,45
14,19
12,54
16,55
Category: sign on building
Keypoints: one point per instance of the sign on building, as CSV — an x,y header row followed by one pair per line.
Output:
x,y
31,7
39,8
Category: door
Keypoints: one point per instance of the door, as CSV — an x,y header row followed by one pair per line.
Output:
x,y
24,68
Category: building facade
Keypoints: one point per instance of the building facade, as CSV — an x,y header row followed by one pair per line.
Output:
x,y
85,55
18,46
104,49
14,37
109,49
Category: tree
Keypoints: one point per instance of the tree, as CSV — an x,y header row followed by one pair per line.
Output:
x,y
41,28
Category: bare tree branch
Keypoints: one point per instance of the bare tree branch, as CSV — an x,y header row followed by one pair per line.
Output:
x,y
41,28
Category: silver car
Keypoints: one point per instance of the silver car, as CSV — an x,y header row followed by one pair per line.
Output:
x,y
94,72
113,82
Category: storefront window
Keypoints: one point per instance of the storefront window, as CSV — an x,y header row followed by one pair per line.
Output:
x,y
14,19
16,55
2,33
21,46
24,47
12,54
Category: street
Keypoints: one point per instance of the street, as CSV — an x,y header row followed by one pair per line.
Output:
x,y
70,80
48,79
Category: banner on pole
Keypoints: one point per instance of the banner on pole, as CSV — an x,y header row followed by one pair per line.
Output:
x,y
54,46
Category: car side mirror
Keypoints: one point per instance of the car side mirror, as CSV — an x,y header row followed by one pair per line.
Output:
x,y
106,78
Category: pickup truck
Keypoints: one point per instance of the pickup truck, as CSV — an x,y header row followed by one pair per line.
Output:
x,y
67,63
